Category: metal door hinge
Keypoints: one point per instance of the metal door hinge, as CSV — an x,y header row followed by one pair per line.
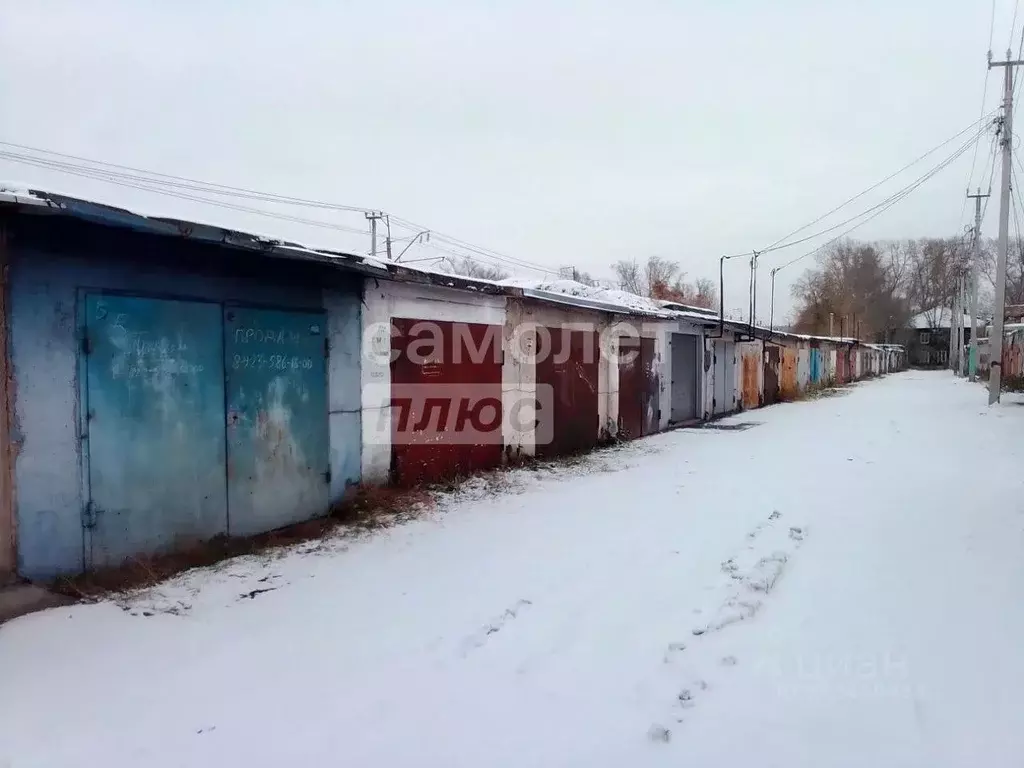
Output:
x,y
86,346
327,477
327,347
89,513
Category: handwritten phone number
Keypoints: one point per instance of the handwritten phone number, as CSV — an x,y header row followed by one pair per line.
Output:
x,y
271,362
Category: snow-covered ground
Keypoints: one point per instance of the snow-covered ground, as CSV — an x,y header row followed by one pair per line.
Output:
x,y
840,584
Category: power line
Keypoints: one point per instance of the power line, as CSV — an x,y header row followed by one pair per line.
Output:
x,y
138,178
98,176
991,165
513,261
776,245
1013,24
981,111
892,200
1017,194
204,186
883,206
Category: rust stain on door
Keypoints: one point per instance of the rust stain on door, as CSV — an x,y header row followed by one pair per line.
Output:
x,y
568,363
788,387
772,360
639,384
751,385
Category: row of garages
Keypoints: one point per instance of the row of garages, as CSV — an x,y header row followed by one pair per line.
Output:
x,y
167,382
1012,356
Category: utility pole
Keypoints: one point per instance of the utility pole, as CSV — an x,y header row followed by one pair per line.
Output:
x,y
373,217
957,317
387,240
972,360
951,355
721,291
961,282
995,341
753,293
831,320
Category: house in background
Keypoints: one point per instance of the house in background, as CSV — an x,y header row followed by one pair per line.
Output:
x,y
927,337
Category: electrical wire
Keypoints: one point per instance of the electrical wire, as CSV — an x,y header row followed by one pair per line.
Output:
x,y
991,165
1013,24
893,200
777,245
883,206
137,178
495,255
1016,191
87,174
204,186
1015,206
981,111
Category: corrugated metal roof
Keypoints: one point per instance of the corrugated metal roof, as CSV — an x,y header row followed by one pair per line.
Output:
x,y
37,201
41,202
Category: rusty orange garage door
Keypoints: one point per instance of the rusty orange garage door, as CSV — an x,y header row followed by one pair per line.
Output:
x,y
568,364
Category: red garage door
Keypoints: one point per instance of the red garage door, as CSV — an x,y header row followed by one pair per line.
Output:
x,y
567,362
638,388
445,399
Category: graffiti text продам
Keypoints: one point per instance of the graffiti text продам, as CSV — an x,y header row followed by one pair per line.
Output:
x,y
266,335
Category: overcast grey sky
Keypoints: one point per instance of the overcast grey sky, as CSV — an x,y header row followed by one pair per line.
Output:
x,y
558,132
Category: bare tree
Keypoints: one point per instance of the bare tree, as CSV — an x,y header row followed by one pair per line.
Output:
x,y
630,276
662,276
571,273
705,293
467,267
933,267
862,286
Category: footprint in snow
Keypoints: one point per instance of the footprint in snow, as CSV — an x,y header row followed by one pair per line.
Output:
x,y
659,733
477,639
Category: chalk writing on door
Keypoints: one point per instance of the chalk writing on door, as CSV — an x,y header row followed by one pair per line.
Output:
x,y
139,355
261,362
279,336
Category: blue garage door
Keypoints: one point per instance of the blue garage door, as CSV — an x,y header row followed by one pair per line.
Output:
x,y
278,462
154,426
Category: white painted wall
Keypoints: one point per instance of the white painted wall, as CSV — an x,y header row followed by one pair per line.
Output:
x,y
384,300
